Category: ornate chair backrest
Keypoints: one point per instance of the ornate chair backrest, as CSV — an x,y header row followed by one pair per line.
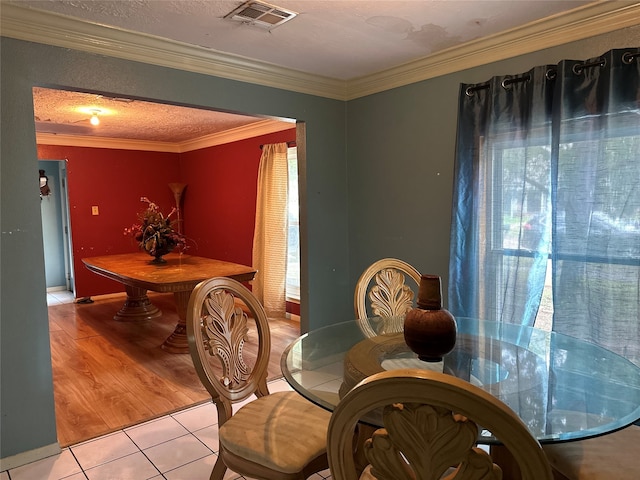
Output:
x,y
384,286
430,426
217,329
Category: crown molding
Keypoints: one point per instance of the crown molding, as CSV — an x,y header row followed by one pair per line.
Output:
x,y
49,28
53,29
578,24
256,129
104,142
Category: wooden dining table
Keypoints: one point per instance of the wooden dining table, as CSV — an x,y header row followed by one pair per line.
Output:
x,y
179,275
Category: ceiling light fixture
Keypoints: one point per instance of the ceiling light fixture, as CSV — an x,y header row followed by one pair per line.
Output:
x,y
261,14
94,117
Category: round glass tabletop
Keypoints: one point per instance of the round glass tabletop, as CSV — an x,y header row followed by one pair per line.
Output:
x,y
563,388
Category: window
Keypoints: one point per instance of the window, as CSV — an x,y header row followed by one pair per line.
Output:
x,y
293,238
546,212
523,213
520,199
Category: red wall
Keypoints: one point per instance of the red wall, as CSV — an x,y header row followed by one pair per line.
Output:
x,y
114,181
218,202
220,198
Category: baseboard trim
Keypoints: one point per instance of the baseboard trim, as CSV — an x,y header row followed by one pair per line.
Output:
x,y
30,456
60,288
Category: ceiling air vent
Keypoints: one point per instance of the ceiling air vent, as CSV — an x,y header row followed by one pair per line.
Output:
x,y
261,14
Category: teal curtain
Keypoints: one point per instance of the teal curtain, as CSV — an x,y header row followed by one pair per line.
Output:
x,y
547,190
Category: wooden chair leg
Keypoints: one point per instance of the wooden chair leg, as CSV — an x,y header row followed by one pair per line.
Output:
x,y
219,469
503,458
557,475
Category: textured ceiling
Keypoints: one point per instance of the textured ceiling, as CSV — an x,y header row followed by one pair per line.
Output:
x,y
68,113
331,38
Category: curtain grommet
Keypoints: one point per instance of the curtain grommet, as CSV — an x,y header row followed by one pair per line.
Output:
x,y
471,91
578,68
509,80
506,83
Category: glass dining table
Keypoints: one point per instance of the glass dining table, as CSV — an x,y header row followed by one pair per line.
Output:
x,y
563,388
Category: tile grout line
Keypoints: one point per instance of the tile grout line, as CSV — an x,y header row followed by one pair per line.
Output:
x,y
144,454
172,415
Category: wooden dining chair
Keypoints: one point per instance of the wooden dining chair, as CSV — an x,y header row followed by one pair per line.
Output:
x,y
278,436
431,422
383,286
612,456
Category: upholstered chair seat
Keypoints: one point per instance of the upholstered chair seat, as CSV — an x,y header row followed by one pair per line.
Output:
x,y
273,431
262,435
615,456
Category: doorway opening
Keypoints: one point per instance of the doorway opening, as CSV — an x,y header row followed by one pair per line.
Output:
x,y
56,229
144,396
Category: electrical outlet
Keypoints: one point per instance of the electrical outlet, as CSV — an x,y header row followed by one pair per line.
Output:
x,y
94,210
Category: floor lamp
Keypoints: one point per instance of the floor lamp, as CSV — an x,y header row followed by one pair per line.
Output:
x,y
178,189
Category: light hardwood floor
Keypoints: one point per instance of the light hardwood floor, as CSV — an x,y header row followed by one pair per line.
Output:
x,y
108,375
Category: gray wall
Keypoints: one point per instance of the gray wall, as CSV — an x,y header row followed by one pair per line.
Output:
x,y
26,393
401,149
384,192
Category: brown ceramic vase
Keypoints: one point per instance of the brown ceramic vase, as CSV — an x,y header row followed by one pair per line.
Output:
x,y
430,330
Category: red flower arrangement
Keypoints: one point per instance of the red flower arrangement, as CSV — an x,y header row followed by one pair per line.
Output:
x,y
155,233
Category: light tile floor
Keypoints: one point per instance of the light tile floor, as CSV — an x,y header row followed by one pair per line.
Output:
x,y
179,446
58,297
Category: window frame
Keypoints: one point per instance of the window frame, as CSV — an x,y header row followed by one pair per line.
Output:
x,y
292,288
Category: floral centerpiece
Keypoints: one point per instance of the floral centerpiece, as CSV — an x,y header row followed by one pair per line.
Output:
x,y
155,233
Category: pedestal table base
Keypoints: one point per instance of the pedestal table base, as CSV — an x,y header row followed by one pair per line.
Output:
x,y
137,307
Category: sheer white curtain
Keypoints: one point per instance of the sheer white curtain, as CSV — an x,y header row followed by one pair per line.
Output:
x,y
270,235
547,186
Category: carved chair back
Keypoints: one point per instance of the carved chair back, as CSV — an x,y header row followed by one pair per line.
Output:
x,y
431,423
217,330
279,436
383,286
